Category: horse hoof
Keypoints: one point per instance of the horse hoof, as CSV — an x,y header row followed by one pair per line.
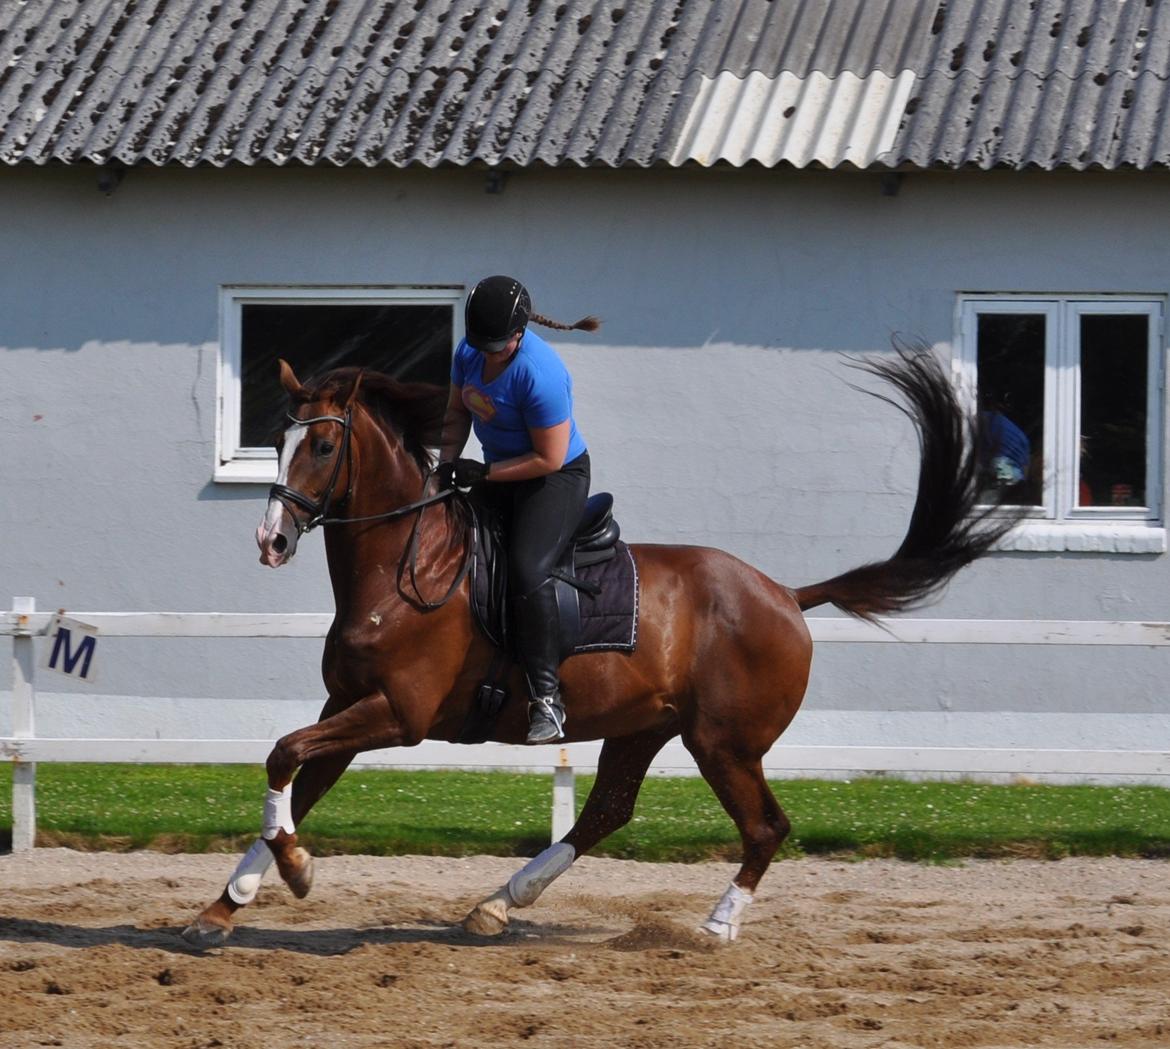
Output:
x,y
300,878
723,931
480,923
204,933
489,917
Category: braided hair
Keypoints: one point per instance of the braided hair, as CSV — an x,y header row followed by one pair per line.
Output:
x,y
584,324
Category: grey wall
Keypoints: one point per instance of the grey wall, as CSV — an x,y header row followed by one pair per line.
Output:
x,y
716,398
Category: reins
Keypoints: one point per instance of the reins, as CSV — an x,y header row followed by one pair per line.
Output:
x,y
319,511
411,554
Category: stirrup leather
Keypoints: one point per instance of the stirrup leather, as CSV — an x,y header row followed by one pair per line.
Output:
x,y
546,720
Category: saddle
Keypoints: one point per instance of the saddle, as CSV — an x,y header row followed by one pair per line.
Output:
x,y
596,589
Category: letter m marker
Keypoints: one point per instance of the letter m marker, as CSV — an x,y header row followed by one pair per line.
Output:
x,y
71,648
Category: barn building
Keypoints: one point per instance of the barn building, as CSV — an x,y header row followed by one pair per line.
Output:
x,y
749,194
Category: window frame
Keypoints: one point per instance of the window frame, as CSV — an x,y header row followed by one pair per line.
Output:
x,y
1059,523
236,463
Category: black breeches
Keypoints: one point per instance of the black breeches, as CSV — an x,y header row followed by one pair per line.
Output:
x,y
542,515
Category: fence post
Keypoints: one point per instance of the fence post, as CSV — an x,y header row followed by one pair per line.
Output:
x,y
564,813
24,773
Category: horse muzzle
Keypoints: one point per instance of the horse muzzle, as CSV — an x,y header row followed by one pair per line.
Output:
x,y
276,535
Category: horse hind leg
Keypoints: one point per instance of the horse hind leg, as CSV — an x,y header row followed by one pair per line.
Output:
x,y
744,793
621,769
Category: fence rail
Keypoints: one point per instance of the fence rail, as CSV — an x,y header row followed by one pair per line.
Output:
x,y
897,631
23,623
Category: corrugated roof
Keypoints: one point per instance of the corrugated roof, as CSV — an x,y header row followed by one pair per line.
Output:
x,y
1050,83
588,82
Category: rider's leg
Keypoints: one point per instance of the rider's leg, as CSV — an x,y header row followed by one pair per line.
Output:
x,y
545,513
539,644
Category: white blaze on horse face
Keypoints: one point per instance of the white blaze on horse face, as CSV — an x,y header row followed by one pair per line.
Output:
x,y
277,534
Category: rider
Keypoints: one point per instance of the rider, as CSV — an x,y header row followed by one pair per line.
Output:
x,y
513,387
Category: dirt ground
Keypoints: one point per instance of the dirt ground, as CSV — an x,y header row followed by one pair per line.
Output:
x,y
984,954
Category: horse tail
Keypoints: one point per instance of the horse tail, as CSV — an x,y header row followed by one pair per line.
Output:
x,y
949,528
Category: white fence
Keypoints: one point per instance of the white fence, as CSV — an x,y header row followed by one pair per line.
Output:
x,y
25,749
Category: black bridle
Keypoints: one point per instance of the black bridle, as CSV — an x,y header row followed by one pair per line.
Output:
x,y
318,509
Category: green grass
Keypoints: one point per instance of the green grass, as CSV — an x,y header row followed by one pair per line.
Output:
x,y
215,808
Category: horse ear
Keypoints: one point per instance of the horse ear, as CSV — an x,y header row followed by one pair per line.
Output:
x,y
357,383
290,382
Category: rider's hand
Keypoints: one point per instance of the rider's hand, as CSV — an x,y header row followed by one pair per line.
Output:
x,y
468,472
445,475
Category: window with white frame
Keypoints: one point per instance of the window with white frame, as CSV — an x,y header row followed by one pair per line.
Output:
x,y
407,332
1070,390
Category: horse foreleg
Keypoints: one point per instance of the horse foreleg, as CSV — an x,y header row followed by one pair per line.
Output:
x,y
323,752
288,810
331,744
621,769
214,924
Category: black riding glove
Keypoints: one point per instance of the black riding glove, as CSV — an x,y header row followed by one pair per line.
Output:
x,y
445,475
468,472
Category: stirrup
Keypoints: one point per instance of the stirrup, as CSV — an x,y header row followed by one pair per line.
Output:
x,y
546,720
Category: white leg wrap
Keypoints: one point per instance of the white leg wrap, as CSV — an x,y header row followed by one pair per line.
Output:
x,y
245,882
278,812
526,885
724,920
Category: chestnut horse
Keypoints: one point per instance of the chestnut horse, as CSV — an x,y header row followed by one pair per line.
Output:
x,y
722,658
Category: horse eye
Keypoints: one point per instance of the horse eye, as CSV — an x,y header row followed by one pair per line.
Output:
x,y
325,448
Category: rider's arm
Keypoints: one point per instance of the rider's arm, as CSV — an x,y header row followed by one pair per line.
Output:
x,y
456,426
549,446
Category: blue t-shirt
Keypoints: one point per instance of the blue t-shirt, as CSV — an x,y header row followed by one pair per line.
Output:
x,y
1009,447
534,391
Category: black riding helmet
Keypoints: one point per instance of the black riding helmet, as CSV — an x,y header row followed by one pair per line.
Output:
x,y
497,308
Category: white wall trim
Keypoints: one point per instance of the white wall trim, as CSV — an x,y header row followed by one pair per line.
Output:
x,y
1085,537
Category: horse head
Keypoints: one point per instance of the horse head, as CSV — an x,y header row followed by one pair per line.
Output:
x,y
336,422
313,465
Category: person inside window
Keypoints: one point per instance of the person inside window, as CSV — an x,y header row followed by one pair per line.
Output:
x,y
509,384
1011,451
1007,451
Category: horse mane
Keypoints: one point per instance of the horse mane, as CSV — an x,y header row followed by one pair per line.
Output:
x,y
412,410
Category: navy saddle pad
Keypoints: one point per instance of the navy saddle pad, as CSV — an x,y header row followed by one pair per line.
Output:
x,y
597,584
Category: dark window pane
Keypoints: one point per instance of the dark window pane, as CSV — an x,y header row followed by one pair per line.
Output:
x,y
1114,384
1011,352
410,342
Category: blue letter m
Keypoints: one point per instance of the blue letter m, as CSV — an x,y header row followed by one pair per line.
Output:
x,y
61,646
